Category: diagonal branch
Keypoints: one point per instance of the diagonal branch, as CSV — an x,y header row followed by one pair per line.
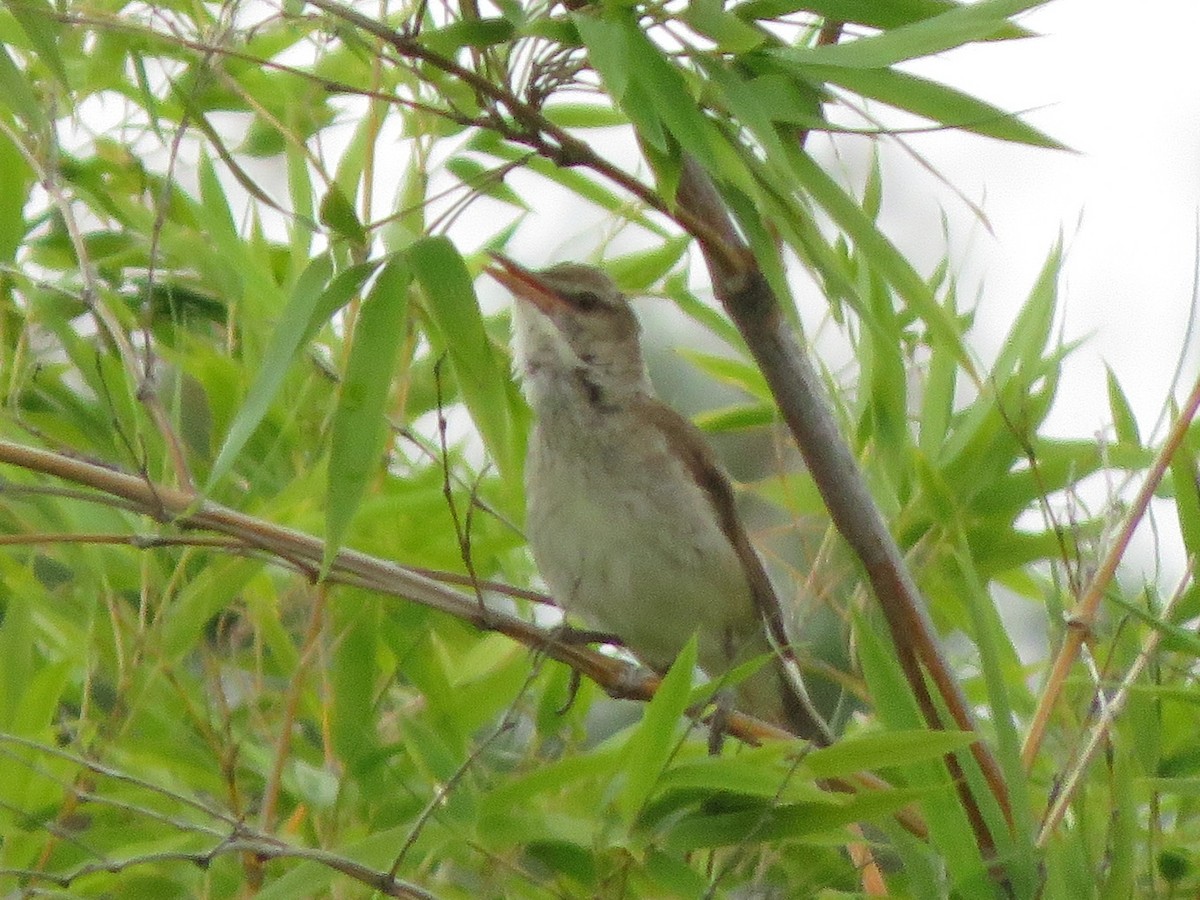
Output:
x,y
305,553
752,305
1084,614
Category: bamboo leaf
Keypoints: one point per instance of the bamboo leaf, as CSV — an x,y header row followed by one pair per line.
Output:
x,y
892,14
359,426
18,97
457,329
637,272
931,100
653,741
880,254
953,28
1122,413
314,299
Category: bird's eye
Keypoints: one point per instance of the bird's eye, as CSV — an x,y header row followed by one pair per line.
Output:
x,y
586,300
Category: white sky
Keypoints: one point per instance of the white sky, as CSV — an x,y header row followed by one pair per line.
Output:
x,y
1119,85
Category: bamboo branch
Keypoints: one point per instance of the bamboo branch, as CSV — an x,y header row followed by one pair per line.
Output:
x,y
1084,614
1110,707
750,302
304,552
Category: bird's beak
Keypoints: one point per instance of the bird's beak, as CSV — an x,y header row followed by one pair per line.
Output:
x,y
525,285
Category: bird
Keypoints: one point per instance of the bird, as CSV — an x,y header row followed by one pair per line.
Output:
x,y
630,517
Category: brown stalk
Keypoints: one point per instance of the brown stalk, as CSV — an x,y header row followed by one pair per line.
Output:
x,y
305,552
1110,707
1083,616
750,302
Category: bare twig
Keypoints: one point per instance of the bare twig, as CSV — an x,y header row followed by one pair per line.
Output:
x,y
439,797
461,531
1084,615
1111,707
305,552
106,320
291,703
528,125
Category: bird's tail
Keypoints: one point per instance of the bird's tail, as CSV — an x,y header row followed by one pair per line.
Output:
x,y
776,694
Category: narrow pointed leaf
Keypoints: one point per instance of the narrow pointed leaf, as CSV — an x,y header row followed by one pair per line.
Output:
x,y
931,100
960,25
1122,413
359,423
654,739
882,255
314,299
457,328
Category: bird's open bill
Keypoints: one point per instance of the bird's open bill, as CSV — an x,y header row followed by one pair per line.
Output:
x,y
524,284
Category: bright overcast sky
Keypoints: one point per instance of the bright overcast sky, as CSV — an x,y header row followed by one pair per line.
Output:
x,y
1118,84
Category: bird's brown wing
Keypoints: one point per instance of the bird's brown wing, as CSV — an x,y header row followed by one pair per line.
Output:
x,y
690,446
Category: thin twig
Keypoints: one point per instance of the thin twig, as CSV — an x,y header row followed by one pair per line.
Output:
x,y
439,797
291,704
1110,708
619,678
1084,614
463,534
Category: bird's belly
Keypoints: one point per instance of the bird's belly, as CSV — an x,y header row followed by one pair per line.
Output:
x,y
642,558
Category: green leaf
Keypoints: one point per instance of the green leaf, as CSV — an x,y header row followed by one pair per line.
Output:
x,y
709,830
585,115
931,100
700,312
607,51
1122,413
478,33
880,253
881,351
352,725
359,424
314,299
18,178
891,14
1175,638
755,772
737,418
652,92
338,213
727,30
577,182
42,28
457,329
17,638
960,25
654,740
637,272
1124,846
734,372
218,216
14,87
897,709
1028,337
891,748
488,182
1183,470
937,400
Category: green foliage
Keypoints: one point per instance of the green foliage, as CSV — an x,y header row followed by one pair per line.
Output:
x,y
233,263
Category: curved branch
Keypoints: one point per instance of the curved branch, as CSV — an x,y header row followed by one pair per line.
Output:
x,y
305,552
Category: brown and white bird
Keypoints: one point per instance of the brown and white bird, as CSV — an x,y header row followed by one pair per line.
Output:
x,y
630,518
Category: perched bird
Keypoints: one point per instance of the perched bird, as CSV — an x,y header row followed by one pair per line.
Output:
x,y
630,518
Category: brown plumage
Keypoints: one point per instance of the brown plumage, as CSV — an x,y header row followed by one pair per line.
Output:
x,y
631,519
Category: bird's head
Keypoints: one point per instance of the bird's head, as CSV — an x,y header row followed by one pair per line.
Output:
x,y
571,321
